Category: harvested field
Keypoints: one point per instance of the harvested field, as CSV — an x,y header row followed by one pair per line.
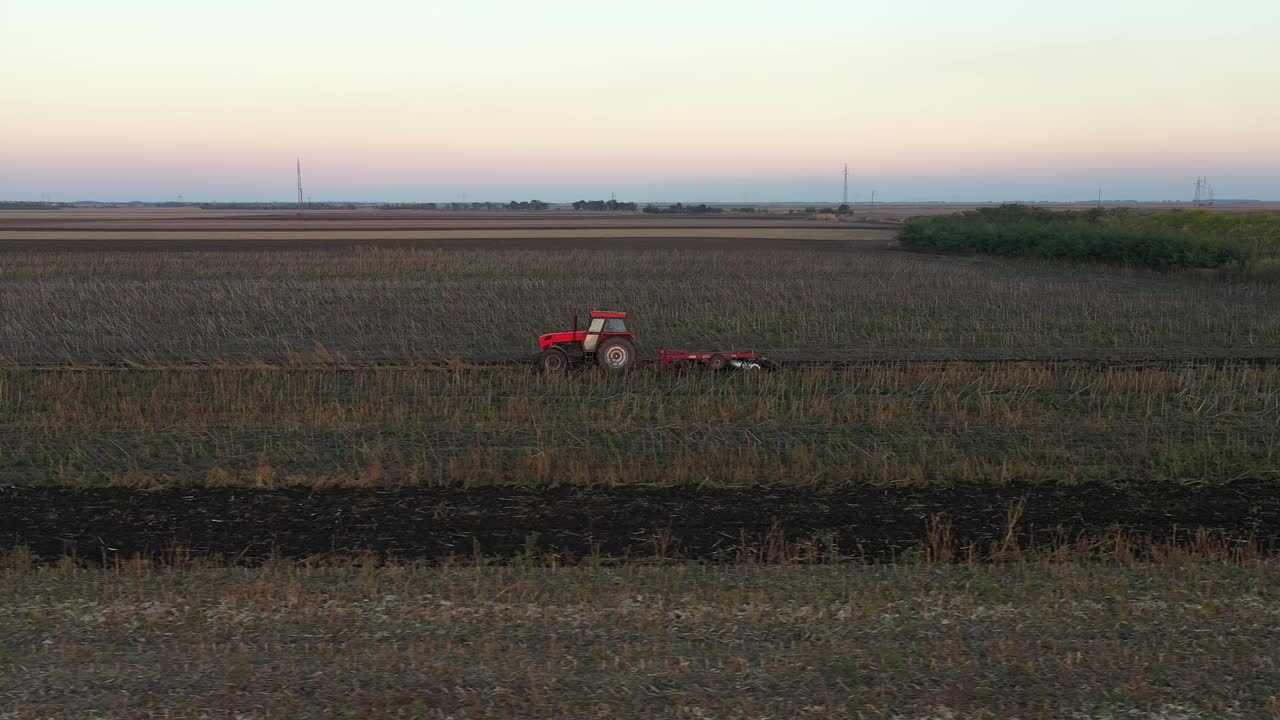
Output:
x,y
1183,638
242,477
429,463
885,425
793,289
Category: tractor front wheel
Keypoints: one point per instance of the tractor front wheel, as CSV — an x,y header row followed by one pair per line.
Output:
x,y
553,361
616,355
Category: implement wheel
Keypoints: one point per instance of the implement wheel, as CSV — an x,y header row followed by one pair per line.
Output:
x,y
616,355
717,363
553,361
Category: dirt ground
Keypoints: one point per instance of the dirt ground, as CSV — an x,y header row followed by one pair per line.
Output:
x,y
822,240
121,231
718,525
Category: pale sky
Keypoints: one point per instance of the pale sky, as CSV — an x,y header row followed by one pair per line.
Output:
x,y
693,100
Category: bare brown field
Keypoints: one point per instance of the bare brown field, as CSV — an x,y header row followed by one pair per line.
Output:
x,y
1186,638
26,229
348,242
28,240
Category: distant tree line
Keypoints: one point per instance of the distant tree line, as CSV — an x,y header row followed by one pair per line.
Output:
x,y
682,209
602,205
33,205
527,205
842,210
407,206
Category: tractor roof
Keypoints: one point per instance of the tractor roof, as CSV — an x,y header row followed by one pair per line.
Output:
x,y
595,313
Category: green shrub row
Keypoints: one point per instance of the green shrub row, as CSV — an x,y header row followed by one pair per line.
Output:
x,y
1258,232
1168,241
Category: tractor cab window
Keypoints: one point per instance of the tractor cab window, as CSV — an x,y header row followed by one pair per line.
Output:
x,y
614,325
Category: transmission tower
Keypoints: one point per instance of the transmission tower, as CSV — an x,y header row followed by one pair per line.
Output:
x,y
299,187
1204,191
845,197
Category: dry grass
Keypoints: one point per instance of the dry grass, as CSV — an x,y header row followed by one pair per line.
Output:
x,y
401,305
1185,638
883,424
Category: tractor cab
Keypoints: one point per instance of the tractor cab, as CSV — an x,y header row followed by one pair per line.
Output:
x,y
605,341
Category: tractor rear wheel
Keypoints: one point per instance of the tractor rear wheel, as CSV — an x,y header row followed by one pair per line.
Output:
x,y
616,355
553,361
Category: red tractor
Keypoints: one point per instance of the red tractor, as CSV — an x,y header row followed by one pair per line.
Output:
x,y
606,341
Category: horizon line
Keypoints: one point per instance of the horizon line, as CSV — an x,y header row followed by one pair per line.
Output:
x,y
739,203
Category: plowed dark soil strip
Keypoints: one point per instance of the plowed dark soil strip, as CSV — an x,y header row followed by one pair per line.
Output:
x,y
872,523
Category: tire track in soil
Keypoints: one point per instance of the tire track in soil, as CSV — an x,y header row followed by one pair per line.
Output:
x,y
878,524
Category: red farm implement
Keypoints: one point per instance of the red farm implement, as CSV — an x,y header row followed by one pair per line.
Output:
x,y
607,342
714,360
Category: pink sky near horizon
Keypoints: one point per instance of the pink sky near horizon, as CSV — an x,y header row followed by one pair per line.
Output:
x,y
163,99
